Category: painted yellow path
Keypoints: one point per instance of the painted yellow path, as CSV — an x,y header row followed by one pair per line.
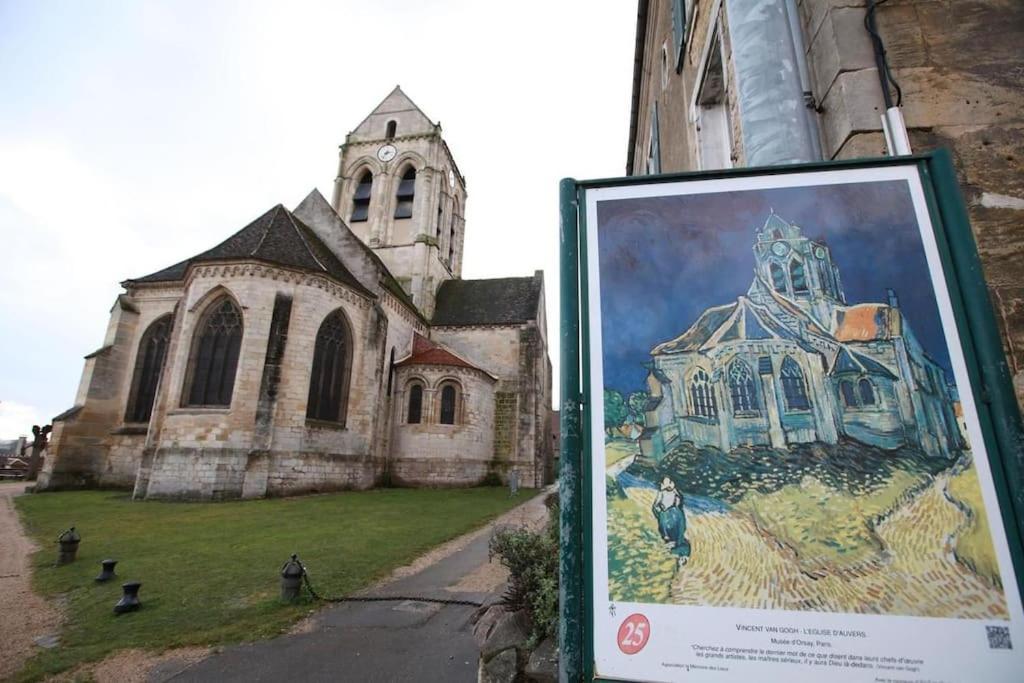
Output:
x,y
734,564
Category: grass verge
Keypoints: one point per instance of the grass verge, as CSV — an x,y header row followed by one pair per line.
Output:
x,y
974,545
209,571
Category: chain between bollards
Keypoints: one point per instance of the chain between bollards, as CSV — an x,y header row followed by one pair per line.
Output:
x,y
376,598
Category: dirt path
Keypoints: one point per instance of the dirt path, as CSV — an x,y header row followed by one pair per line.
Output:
x,y
736,565
24,616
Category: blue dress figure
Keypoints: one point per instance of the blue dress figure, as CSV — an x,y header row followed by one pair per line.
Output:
x,y
668,510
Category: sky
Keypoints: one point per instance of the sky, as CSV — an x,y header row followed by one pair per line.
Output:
x,y
665,260
136,134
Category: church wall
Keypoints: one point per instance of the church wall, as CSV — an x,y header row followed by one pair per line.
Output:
x,y
433,454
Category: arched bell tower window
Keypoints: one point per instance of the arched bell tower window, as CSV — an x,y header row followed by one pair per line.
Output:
x,y
778,277
796,274
449,403
214,359
361,198
391,130
741,387
405,194
149,363
451,234
414,412
332,362
793,386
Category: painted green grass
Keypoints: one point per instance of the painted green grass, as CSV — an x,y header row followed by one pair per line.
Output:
x,y
209,571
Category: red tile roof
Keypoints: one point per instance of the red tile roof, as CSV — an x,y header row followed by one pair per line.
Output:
x,y
426,352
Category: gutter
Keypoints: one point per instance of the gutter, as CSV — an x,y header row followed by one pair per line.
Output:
x,y
638,67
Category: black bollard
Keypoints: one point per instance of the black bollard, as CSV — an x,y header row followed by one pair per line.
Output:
x,y
68,542
108,571
129,602
291,579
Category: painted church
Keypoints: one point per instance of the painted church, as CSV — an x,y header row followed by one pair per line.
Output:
x,y
333,345
792,361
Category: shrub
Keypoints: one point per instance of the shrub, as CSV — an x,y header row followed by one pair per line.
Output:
x,y
532,561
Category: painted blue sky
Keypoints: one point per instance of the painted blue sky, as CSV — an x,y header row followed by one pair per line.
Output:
x,y
664,260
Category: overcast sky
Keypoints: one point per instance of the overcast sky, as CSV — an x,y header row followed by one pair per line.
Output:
x,y
135,134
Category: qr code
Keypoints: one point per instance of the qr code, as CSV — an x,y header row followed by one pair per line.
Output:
x,y
999,637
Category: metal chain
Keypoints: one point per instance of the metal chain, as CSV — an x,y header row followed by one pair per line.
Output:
x,y
379,598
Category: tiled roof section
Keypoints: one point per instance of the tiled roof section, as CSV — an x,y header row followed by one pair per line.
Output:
x,y
426,352
275,237
500,301
848,360
699,332
866,322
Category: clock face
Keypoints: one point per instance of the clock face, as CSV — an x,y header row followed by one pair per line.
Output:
x,y
819,252
451,178
780,248
386,152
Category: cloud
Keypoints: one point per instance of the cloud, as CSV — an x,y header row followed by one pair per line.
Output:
x,y
16,419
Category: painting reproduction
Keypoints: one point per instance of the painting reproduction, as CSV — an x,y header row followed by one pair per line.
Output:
x,y
783,425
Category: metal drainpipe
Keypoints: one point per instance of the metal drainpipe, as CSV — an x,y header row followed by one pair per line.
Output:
x,y
897,142
805,75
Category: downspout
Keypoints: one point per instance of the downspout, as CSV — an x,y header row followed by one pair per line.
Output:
x,y
805,75
897,142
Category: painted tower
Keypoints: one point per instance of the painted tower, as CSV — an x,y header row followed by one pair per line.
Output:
x,y
399,190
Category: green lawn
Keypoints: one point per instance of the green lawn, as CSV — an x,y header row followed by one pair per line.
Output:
x,y
209,571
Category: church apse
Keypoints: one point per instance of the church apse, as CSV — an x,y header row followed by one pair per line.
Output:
x,y
792,361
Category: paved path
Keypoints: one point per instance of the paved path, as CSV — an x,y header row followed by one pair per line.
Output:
x,y
389,641
24,616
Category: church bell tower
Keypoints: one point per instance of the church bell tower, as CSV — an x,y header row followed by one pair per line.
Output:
x,y
399,190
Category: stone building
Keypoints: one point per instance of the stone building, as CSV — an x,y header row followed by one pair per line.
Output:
x,y
330,346
723,83
793,361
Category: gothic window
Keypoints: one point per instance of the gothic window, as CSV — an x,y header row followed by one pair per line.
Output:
x,y
796,274
451,236
741,387
361,198
778,277
867,392
406,193
391,370
702,395
215,355
392,128
848,393
826,283
449,400
149,362
793,386
328,383
414,414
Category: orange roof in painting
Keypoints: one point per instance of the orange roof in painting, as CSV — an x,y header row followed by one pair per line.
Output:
x,y
426,352
866,322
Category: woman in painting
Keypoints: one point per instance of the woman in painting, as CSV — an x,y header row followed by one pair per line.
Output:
x,y
668,510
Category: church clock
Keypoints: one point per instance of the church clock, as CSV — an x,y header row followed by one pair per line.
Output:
x,y
386,152
819,252
780,248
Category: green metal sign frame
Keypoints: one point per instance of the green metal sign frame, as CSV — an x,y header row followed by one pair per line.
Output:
x,y
990,378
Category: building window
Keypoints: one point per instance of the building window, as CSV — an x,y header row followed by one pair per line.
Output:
x,y
391,370
149,363
793,386
449,400
849,395
361,198
654,147
328,383
741,387
406,193
414,413
391,130
796,274
778,277
679,31
451,236
215,355
702,395
664,67
714,138
867,392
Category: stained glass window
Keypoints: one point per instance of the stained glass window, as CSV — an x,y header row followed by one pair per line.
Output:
x,y
448,396
793,386
328,383
415,411
741,387
215,355
149,363
702,396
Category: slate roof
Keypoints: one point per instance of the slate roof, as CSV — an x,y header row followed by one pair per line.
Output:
x,y
848,360
743,320
275,237
498,301
426,352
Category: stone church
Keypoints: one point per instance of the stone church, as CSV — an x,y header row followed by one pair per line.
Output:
x,y
330,346
793,362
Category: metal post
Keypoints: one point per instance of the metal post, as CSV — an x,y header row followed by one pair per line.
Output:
x,y
570,591
897,142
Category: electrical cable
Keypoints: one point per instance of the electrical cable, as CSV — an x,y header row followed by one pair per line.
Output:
x,y
885,76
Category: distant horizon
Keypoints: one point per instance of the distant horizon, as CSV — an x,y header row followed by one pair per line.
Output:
x,y
665,260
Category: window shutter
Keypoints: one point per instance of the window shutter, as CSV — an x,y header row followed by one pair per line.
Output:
x,y
679,31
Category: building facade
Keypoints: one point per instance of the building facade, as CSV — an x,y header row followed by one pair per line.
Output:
x,y
724,83
793,361
330,346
